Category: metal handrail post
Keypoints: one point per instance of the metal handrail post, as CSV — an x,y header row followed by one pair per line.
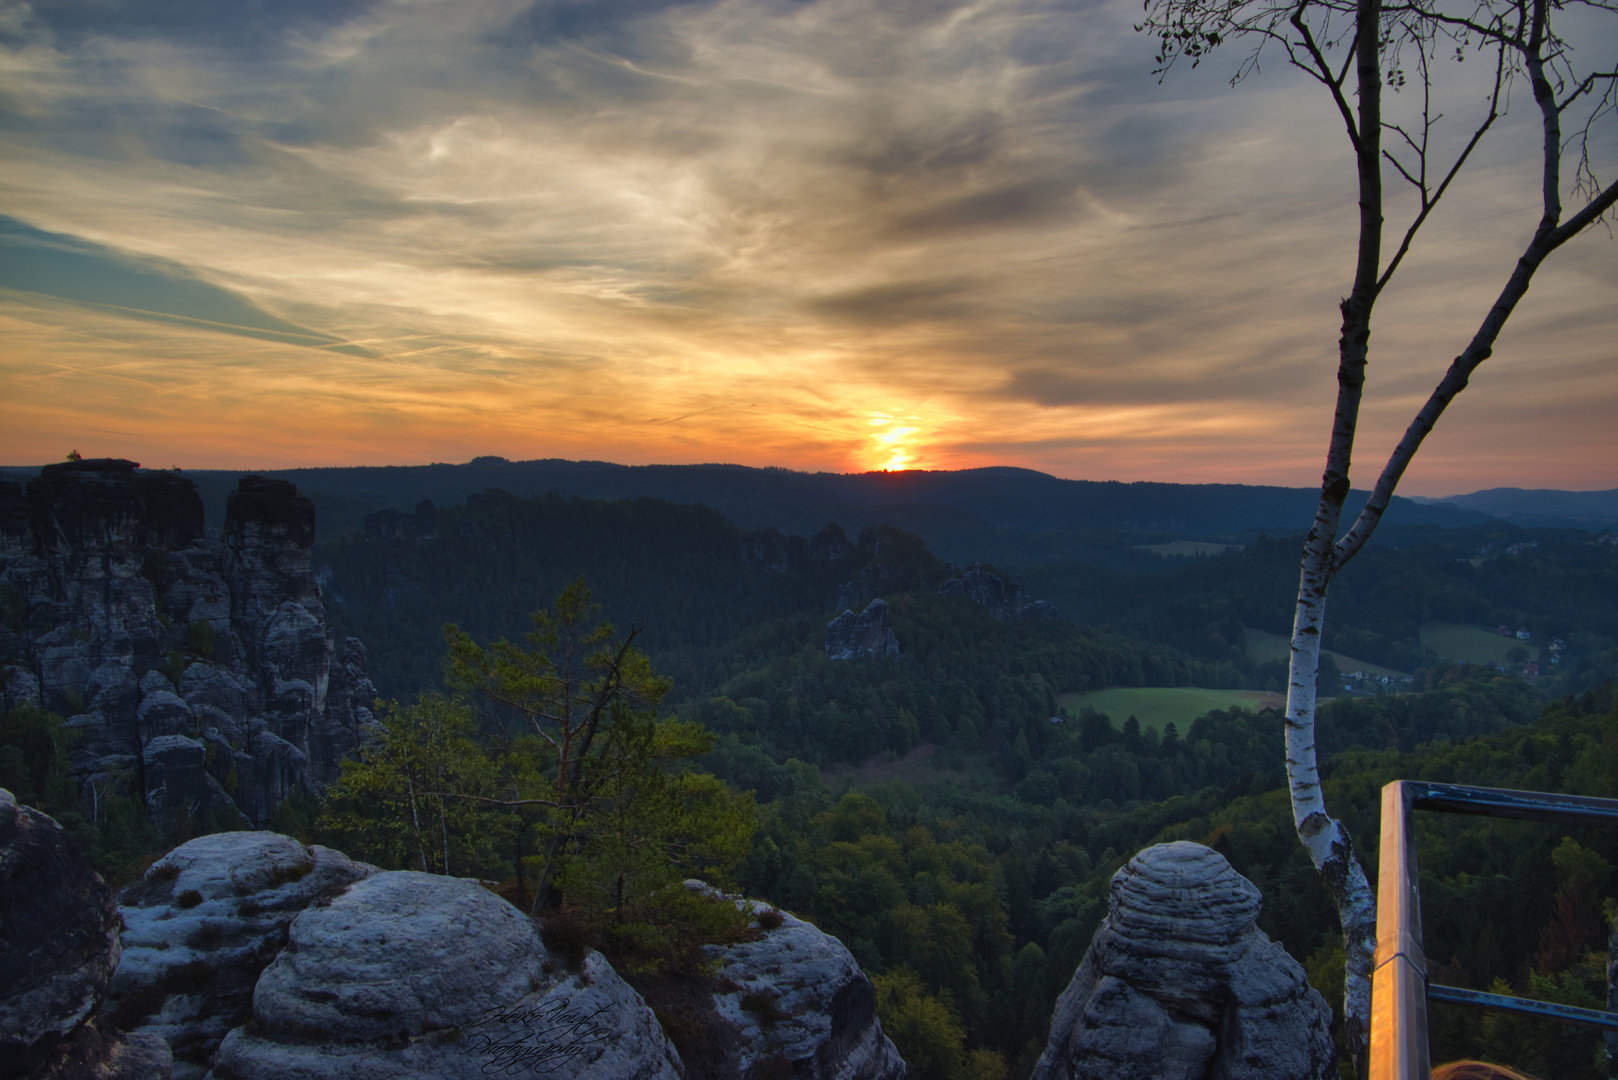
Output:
x,y
1399,1049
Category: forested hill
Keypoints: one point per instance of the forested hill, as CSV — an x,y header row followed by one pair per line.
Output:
x,y
1006,514
716,600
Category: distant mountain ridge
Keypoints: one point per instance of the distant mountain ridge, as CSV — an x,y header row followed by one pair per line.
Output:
x,y
1000,512
1531,507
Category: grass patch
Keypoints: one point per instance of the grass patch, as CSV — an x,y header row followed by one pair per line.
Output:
x,y
1263,645
188,899
281,875
1472,644
1155,706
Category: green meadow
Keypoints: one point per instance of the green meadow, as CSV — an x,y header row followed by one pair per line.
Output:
x,y
1263,645
1155,706
1453,641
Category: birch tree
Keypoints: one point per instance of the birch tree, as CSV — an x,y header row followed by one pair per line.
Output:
x,y
1360,51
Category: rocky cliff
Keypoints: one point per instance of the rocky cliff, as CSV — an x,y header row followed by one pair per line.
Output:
x,y
198,668
59,947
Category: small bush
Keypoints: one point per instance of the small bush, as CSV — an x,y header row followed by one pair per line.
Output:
x,y
163,871
136,1006
770,919
188,899
201,638
775,1067
206,937
190,978
765,1008
283,874
568,937
173,666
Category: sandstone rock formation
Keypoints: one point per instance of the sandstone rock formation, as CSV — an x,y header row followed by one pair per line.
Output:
x,y
1003,598
830,543
799,1005
58,949
1180,984
201,926
866,634
771,548
200,671
410,974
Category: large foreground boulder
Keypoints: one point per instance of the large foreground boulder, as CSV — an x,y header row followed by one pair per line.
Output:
x,y
203,923
58,949
410,974
1180,984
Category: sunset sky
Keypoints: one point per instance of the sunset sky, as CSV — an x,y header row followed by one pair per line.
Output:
x,y
831,235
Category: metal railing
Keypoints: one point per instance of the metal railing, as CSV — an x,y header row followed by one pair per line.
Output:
x,y
1399,988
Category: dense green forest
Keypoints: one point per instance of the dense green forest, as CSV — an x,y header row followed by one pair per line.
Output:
x,y
940,812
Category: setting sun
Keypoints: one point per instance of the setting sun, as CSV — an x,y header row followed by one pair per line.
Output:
x,y
892,449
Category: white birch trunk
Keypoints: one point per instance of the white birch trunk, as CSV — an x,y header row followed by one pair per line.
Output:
x,y
1330,848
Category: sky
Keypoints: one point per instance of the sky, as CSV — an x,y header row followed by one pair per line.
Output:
x,y
830,235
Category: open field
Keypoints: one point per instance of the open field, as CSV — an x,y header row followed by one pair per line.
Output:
x,y
1453,641
1155,706
1263,645
1188,547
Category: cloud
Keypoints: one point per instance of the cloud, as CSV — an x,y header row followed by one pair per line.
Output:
x,y
989,216
71,269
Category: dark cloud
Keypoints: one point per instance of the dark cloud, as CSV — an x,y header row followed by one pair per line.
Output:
x,y
76,270
182,133
610,25
1008,205
231,23
901,301
893,149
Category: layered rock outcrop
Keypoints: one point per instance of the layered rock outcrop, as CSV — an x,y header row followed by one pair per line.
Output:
x,y
1180,984
199,670
253,956
410,974
866,634
1003,598
202,925
771,548
59,947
